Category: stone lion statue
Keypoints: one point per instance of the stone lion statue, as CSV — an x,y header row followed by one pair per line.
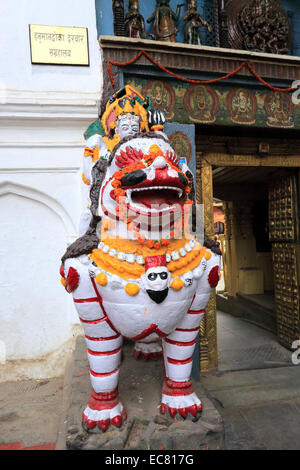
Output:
x,y
135,272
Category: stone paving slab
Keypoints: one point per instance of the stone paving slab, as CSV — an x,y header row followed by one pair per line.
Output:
x,y
30,412
260,408
245,388
276,426
244,346
238,433
140,392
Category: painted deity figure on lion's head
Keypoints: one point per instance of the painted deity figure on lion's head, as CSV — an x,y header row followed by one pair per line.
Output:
x,y
134,255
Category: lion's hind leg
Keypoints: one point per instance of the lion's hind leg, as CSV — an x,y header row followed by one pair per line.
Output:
x,y
178,395
148,348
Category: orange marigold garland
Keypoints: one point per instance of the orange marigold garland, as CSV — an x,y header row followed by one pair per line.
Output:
x,y
145,160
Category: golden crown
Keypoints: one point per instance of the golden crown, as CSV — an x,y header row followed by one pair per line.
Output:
x,y
125,101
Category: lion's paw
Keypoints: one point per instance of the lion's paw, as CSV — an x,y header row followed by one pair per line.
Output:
x,y
179,398
103,410
146,351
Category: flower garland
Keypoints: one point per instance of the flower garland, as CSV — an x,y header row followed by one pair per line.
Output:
x,y
189,80
119,195
127,270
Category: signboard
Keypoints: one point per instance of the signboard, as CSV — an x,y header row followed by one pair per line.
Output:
x,y
58,45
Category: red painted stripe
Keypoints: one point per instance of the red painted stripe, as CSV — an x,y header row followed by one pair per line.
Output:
x,y
101,305
105,396
12,446
108,338
172,384
181,343
151,329
178,393
178,361
144,333
93,322
106,353
104,374
196,312
161,333
105,405
83,301
187,329
51,446
193,300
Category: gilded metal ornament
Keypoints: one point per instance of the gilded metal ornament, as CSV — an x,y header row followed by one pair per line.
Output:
x,y
134,21
194,21
164,20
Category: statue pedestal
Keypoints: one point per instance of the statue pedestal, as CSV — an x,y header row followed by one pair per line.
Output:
x,y
145,428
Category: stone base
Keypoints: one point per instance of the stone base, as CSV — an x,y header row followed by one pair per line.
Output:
x,y
145,428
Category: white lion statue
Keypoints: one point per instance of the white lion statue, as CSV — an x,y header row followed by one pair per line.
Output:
x,y
136,272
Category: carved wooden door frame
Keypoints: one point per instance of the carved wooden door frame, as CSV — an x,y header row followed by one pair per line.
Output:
x,y
208,329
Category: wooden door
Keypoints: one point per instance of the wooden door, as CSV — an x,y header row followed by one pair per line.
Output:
x,y
283,233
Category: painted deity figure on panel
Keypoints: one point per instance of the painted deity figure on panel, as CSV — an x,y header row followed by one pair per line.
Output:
x,y
242,106
279,108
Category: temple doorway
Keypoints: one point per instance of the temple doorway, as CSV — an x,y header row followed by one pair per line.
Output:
x,y
257,189
247,262
259,244
260,247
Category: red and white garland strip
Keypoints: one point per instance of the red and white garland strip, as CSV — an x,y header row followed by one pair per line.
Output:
x,y
189,80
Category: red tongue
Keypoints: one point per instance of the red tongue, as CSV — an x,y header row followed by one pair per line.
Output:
x,y
155,196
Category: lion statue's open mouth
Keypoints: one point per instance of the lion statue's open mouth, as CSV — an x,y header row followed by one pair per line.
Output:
x,y
157,188
148,182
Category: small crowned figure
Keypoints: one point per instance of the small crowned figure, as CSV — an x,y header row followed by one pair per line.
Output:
x,y
127,113
194,21
164,19
134,21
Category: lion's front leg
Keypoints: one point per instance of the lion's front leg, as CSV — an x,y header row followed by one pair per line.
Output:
x,y
178,349
104,355
104,345
178,395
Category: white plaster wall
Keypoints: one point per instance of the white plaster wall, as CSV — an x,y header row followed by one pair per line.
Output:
x,y
19,74
44,111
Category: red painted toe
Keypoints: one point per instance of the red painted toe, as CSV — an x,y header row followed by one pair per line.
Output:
x,y
183,412
137,354
90,424
163,408
193,410
199,407
103,424
117,421
172,412
124,415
